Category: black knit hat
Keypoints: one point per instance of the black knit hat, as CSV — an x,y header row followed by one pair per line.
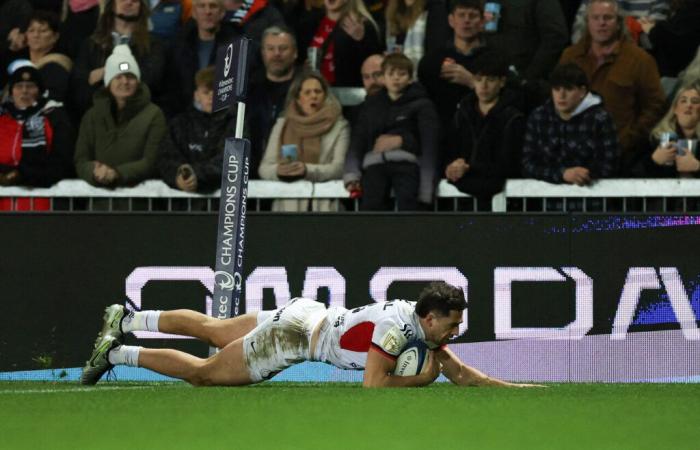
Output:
x,y
26,73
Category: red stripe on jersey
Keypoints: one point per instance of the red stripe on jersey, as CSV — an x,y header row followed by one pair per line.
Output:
x,y
358,338
383,352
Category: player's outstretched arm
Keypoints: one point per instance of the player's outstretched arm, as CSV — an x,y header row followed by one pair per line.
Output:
x,y
379,372
464,375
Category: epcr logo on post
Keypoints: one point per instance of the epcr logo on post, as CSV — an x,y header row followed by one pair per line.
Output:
x,y
224,280
228,59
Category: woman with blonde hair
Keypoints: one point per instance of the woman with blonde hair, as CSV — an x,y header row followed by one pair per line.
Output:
x,y
416,27
309,142
674,139
336,39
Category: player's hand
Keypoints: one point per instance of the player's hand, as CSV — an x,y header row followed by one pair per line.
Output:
x,y
387,142
456,169
455,73
528,385
579,176
432,370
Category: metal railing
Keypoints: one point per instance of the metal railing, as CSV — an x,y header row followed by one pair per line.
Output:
x,y
612,195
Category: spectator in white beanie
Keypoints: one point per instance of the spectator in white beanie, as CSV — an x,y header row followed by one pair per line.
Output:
x,y
121,61
119,136
120,22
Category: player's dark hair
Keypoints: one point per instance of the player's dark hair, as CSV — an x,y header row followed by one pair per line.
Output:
x,y
568,76
467,4
441,298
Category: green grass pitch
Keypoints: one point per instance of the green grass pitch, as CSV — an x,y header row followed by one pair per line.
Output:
x,y
274,415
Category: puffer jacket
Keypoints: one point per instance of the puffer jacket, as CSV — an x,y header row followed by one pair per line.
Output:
x,y
128,140
413,117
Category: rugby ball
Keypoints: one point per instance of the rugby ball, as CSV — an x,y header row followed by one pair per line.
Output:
x,y
412,360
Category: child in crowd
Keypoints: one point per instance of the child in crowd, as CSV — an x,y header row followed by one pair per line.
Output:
x,y
486,135
394,145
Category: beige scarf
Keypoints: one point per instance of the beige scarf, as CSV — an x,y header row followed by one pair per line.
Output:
x,y
306,131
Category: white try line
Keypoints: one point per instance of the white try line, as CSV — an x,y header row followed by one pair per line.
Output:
x,y
76,389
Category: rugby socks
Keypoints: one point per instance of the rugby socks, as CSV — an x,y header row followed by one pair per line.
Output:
x,y
141,321
127,355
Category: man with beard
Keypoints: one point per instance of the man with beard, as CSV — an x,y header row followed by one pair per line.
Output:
x,y
268,90
624,75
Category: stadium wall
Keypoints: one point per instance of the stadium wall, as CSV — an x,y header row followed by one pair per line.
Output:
x,y
562,297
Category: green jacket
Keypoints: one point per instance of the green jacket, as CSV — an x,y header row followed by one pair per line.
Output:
x,y
128,143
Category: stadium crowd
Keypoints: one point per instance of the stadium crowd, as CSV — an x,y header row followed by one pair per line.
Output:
x,y
475,91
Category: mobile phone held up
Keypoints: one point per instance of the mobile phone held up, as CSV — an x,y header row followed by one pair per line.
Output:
x,y
289,152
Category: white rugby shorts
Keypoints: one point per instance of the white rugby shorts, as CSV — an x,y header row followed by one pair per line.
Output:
x,y
282,337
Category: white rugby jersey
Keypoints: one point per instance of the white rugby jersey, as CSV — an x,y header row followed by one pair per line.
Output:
x,y
347,335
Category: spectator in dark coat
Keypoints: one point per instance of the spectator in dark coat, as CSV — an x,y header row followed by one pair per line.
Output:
x,y
15,14
674,41
195,49
531,35
41,36
79,20
394,145
446,72
252,17
486,134
192,150
669,155
268,88
168,18
569,8
343,34
571,138
122,22
36,137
